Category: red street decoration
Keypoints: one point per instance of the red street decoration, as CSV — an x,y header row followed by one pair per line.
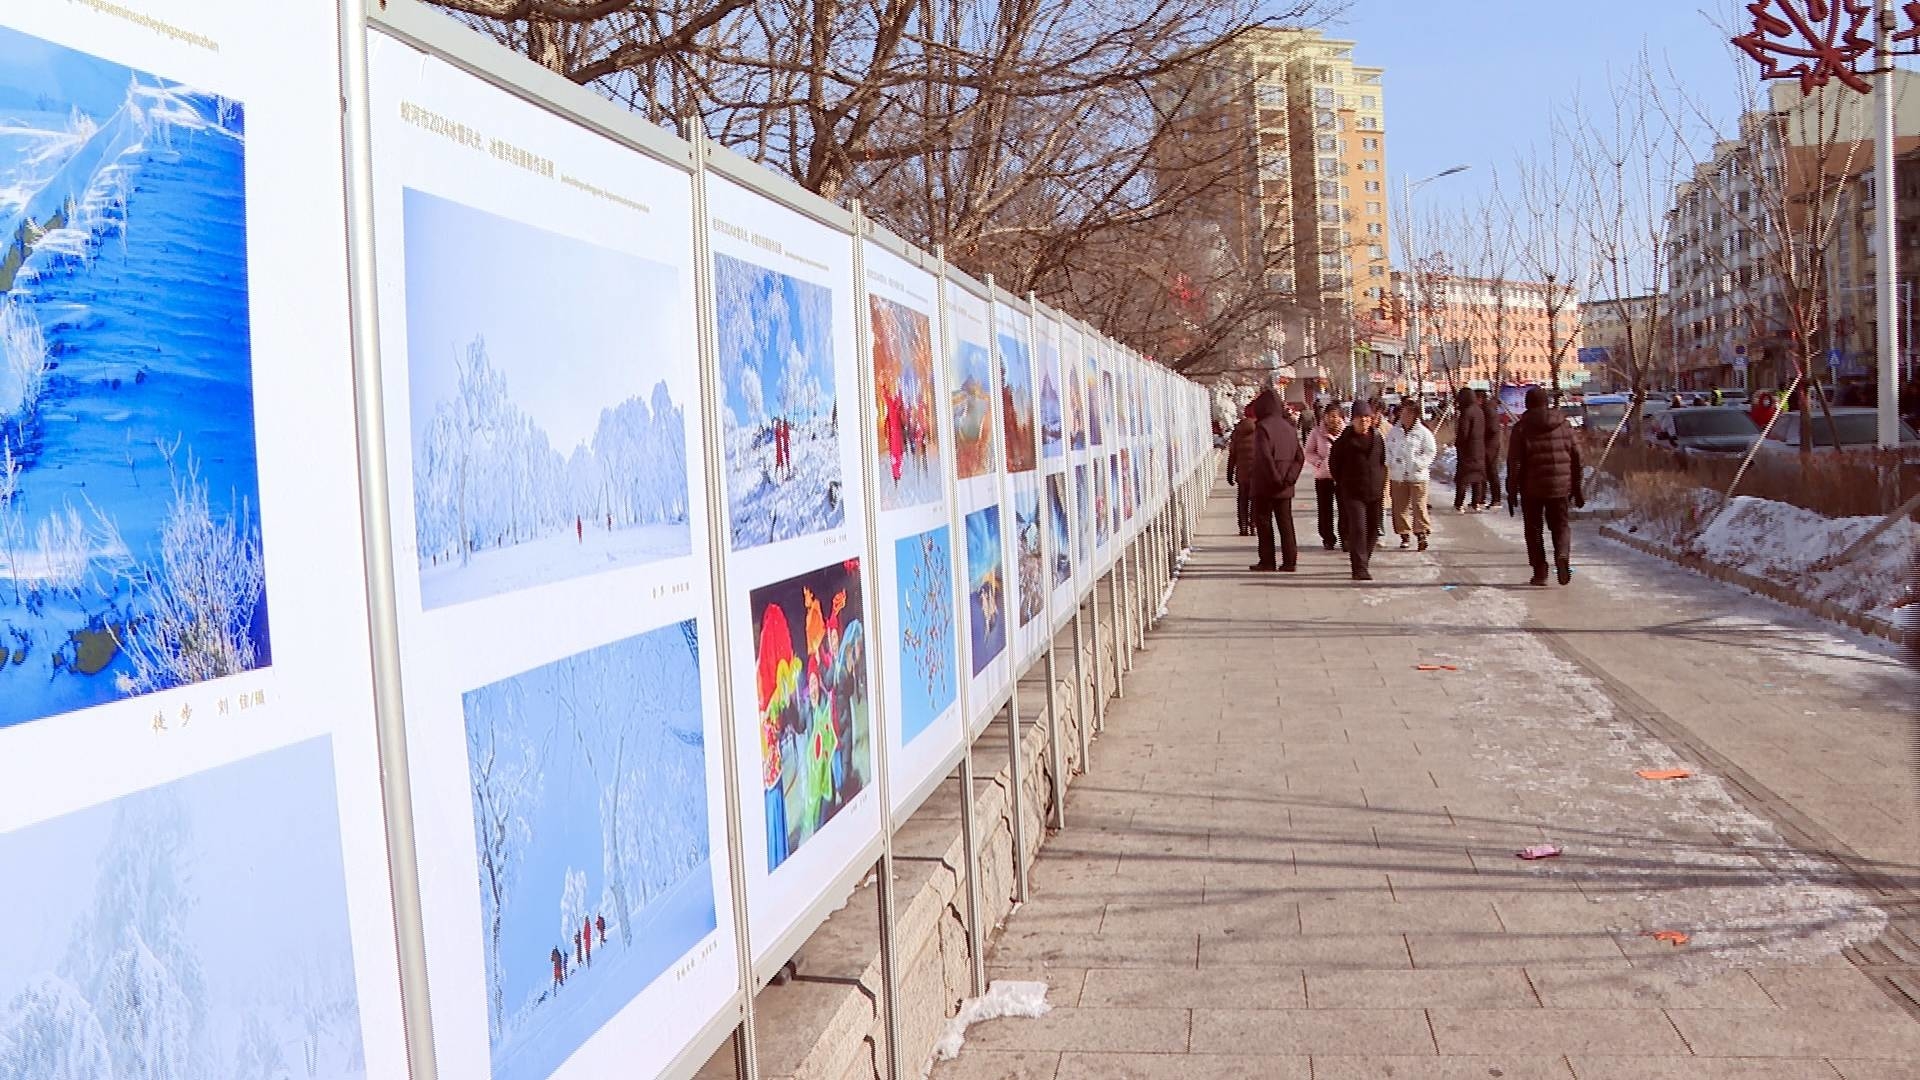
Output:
x,y
1811,40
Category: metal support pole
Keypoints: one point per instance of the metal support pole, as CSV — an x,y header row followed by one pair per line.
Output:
x,y
1119,624
1017,797
1886,309
1099,710
1082,694
970,851
1055,756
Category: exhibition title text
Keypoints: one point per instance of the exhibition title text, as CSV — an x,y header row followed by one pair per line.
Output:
x,y
428,120
164,29
765,243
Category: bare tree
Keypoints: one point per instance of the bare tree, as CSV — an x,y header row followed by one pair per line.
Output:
x,y
1549,245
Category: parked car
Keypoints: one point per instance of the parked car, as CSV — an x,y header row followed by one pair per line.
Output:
x,y
1705,431
1603,412
1859,428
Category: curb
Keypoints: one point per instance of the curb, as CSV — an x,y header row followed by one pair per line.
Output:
x,y
1824,609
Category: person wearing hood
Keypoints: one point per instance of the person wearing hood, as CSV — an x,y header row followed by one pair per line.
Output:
x,y
1272,467
1239,445
1358,462
1470,453
1490,433
1410,454
1544,477
1326,502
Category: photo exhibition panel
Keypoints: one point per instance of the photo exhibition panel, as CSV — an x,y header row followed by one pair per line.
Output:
x,y
536,286
975,413
188,755
798,575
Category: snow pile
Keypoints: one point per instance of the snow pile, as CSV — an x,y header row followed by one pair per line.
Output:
x,y
1787,544
1603,491
1444,463
1004,998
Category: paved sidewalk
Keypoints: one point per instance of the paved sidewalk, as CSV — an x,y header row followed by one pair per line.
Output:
x,y
1293,854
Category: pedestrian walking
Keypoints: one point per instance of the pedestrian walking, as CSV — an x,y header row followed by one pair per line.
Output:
x,y
1410,454
1470,441
1239,444
1272,468
1491,433
1326,504
1358,462
1763,410
1543,478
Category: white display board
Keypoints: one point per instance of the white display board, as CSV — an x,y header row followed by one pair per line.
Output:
x,y
547,472
1021,504
1075,344
193,866
917,585
798,573
982,537
1056,485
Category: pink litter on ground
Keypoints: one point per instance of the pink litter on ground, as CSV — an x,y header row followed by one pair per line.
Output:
x,y
1537,851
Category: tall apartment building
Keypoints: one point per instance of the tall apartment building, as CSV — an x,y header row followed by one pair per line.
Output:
x,y
1318,122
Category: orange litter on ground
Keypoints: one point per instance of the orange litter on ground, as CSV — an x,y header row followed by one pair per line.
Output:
x,y
1671,937
1435,667
1664,774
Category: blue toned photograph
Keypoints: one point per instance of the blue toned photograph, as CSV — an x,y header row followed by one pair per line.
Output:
x,y
130,549
1052,443
547,442
986,587
1026,538
928,686
1057,520
589,784
1082,493
780,411
191,930
1016,403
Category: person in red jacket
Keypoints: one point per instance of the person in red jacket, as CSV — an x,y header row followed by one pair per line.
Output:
x,y
1763,410
1544,477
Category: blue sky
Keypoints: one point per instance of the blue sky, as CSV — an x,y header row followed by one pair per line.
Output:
x,y
1478,82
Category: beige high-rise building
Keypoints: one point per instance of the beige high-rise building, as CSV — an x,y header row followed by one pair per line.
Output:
x,y
1320,120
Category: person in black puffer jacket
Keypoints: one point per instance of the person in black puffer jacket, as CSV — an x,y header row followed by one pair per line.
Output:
x,y
1543,477
1470,452
1268,474
1358,462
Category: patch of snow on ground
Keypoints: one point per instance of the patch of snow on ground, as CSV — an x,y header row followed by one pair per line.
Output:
x,y
1004,998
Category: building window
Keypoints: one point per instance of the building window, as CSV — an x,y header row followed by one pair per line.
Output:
x,y
1368,101
1323,97
1373,208
1376,251
1329,189
1370,165
1329,213
1369,123
1369,143
1324,119
1373,185
1329,166
1374,228
1377,271
1328,144
1272,95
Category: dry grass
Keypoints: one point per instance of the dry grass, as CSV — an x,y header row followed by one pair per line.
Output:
x,y
1854,483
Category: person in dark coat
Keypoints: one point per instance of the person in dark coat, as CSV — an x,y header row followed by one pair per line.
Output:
x,y
1273,466
1358,462
1490,412
1239,444
1470,453
1544,476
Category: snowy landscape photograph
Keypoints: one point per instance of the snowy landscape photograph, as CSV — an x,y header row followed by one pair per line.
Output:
x,y
1127,476
908,455
547,425
972,410
1076,412
191,930
130,547
986,587
589,785
1057,521
1052,441
810,681
1016,403
779,404
1081,496
1096,421
1027,553
928,685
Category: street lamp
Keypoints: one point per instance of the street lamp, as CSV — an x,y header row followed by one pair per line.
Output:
x,y
1407,188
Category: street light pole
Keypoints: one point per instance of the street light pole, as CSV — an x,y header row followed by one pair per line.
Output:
x,y
1407,188
1885,265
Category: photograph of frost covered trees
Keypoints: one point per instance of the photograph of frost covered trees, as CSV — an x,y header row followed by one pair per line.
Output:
x,y
1057,521
1026,537
589,784
130,556
928,688
1052,443
781,409
547,406
1082,494
192,930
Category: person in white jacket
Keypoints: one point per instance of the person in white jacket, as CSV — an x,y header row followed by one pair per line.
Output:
x,y
1410,453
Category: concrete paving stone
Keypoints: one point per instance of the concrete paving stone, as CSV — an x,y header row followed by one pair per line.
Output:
x,y
1509,949
1463,914
1328,1067
1161,1031
1327,952
1493,988
1554,1031
1629,987
1545,912
1311,1031
1078,1066
979,1063
1095,950
1064,985
1799,1033
1254,919
1853,1069
1214,988
1699,1068
1844,988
